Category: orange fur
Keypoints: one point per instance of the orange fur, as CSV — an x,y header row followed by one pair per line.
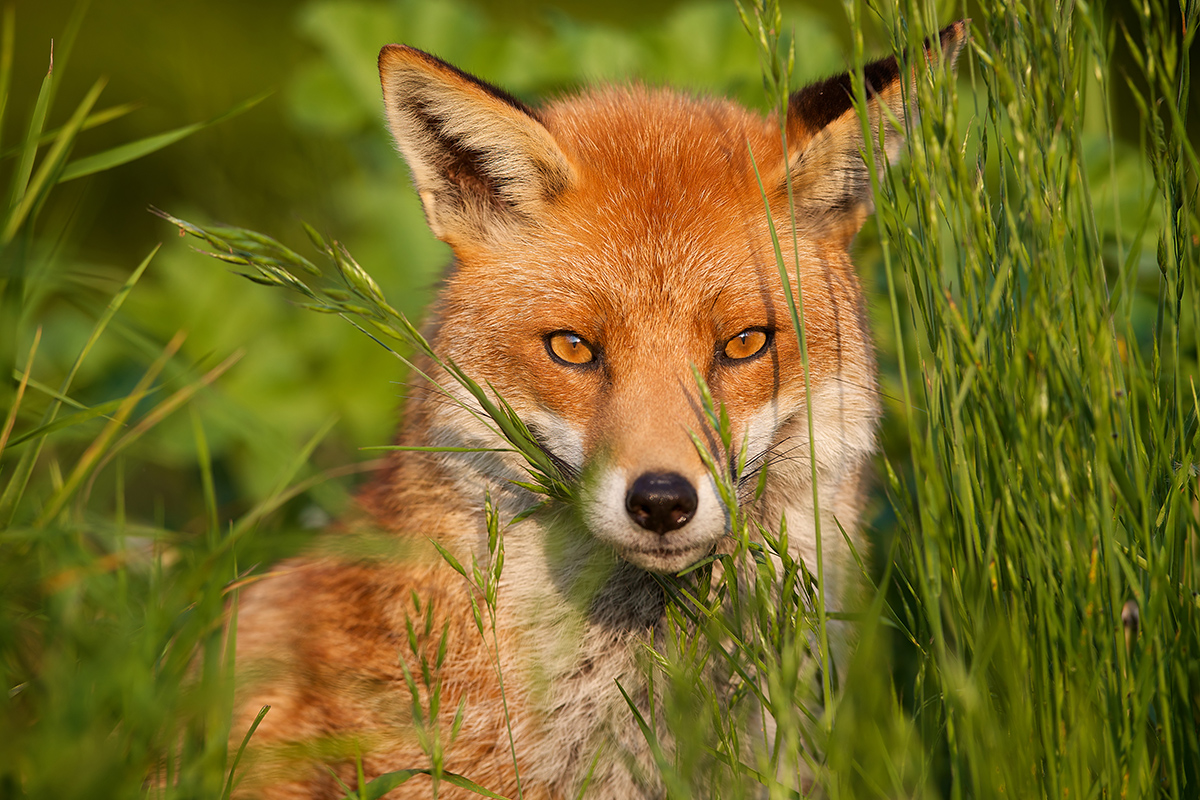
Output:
x,y
630,217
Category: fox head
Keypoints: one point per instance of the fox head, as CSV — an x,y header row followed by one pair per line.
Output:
x,y
610,243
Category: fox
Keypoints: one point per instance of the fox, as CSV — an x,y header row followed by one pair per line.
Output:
x,y
608,247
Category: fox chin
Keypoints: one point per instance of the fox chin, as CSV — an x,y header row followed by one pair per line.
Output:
x,y
608,247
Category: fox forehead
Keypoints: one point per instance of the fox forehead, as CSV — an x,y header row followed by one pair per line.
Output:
x,y
661,149
665,184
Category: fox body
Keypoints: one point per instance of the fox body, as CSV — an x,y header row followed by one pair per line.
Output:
x,y
605,246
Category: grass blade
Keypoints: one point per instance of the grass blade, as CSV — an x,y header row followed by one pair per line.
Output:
x,y
237,758
159,413
11,419
78,418
131,151
34,192
37,120
97,448
7,37
385,783
280,494
16,485
94,120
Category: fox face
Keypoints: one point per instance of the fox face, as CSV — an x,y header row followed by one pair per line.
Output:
x,y
655,260
614,245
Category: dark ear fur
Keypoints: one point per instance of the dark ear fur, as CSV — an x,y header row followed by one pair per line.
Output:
x,y
830,181
480,158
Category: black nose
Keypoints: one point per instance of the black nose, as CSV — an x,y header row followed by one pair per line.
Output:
x,y
661,501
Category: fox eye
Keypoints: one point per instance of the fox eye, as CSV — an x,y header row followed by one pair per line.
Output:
x,y
568,347
747,344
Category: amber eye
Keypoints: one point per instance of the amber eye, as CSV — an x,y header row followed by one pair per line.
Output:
x,y
747,344
570,348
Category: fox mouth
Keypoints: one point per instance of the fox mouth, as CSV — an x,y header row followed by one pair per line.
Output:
x,y
664,560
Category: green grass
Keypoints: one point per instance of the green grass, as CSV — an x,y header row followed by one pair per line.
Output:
x,y
1032,273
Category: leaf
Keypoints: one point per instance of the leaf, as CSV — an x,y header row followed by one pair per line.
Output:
x,y
11,419
66,422
464,783
96,449
241,749
27,196
385,783
123,154
449,558
94,120
20,479
529,512
6,58
29,150
390,780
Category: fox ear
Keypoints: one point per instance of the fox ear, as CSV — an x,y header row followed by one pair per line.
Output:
x,y
830,181
480,158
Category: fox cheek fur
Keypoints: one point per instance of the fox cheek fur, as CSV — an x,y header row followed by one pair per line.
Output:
x,y
605,247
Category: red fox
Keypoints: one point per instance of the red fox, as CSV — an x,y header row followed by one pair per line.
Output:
x,y
604,247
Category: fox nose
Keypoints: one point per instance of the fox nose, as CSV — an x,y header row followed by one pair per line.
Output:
x,y
661,501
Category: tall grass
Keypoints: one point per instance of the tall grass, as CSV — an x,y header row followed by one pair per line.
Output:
x,y
1048,536
1033,628
111,644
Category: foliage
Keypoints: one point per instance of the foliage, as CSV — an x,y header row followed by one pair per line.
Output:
x,y
1034,628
